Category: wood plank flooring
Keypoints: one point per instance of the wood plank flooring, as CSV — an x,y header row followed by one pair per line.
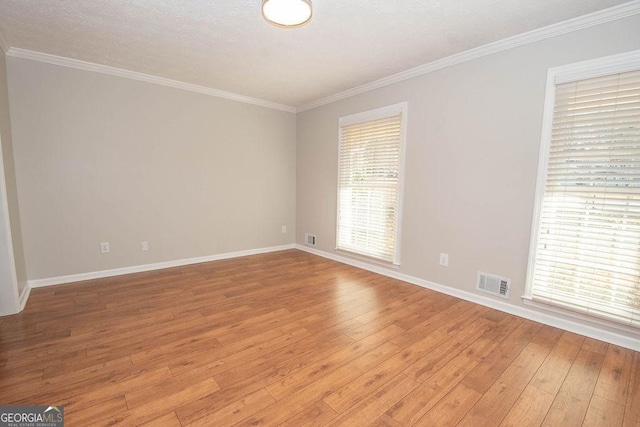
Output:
x,y
292,339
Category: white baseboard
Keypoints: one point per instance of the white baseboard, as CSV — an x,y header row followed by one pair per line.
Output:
x,y
585,328
149,267
21,301
24,296
548,318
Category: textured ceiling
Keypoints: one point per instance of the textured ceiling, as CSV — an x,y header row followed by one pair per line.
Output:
x,y
226,44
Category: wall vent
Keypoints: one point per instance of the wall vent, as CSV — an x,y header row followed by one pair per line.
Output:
x,y
494,285
309,239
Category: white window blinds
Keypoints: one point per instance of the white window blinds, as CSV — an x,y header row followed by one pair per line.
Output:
x,y
369,186
587,254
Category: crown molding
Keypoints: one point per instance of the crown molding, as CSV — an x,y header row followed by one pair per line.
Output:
x,y
119,72
4,44
575,24
600,17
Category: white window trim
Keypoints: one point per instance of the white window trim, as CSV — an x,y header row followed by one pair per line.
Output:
x,y
378,113
614,64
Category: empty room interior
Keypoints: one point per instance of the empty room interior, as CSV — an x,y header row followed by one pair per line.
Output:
x,y
320,212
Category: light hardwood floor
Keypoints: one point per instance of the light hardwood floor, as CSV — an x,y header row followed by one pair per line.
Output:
x,y
293,339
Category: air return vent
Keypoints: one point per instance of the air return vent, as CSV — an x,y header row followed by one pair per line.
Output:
x,y
494,285
309,239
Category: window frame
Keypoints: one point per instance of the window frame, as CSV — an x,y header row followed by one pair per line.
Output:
x,y
614,64
362,117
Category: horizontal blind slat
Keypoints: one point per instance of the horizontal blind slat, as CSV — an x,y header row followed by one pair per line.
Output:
x,y
369,160
588,250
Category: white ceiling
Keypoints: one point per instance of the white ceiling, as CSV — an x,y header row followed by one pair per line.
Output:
x,y
226,44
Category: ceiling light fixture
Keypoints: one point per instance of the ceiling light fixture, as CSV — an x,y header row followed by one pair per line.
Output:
x,y
287,13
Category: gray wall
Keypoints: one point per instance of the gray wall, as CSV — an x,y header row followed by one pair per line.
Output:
x,y
12,264
101,158
473,137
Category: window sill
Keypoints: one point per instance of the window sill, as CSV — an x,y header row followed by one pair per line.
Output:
x,y
528,301
364,258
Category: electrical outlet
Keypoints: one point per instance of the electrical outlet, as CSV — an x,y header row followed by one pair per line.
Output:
x,y
104,247
144,246
284,228
444,260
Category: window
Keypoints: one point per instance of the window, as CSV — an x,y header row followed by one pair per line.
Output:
x,y
585,249
370,173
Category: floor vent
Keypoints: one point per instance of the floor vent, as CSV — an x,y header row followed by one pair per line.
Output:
x,y
309,239
494,285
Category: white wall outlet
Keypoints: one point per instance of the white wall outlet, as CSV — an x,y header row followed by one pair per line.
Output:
x,y
104,247
284,228
144,246
444,260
